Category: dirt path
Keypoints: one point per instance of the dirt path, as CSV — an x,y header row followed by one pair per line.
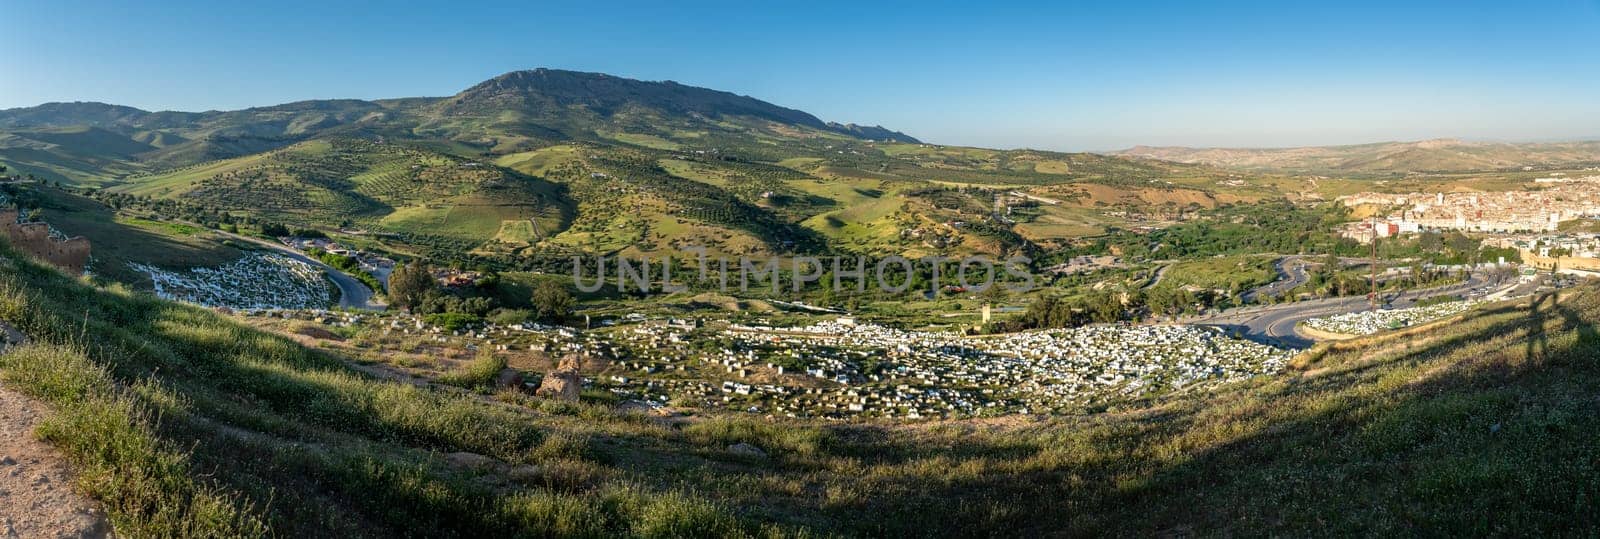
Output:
x,y
36,494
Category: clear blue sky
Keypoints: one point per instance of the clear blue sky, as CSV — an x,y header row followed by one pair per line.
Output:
x,y
1056,75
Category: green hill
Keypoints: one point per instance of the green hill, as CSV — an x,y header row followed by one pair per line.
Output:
x,y
546,162
356,183
120,238
186,422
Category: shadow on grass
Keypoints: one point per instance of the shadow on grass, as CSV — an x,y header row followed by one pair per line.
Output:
x,y
1482,428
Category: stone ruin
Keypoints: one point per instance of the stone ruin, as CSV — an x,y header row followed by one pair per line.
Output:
x,y
35,239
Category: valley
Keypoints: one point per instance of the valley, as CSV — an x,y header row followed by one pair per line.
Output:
x,y
381,317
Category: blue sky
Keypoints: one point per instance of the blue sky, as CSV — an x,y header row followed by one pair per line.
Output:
x,y
1053,75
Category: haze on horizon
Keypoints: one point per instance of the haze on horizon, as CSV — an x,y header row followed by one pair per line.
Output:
x,y
1256,74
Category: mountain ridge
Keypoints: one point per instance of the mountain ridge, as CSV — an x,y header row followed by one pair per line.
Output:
x,y
540,87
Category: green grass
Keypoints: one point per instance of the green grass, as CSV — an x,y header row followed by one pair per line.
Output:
x,y
472,218
175,229
539,162
480,372
117,240
78,155
148,484
1224,273
432,198
639,139
1483,427
188,424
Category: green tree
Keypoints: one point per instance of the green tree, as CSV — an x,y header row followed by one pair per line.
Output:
x,y
551,301
411,284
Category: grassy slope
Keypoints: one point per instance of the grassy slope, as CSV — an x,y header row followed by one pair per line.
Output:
x,y
77,155
117,240
1225,273
387,187
752,188
1483,427
291,439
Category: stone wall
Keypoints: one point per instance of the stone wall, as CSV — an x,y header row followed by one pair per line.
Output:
x,y
1566,262
34,239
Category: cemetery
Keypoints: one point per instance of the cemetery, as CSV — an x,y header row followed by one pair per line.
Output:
x,y
256,281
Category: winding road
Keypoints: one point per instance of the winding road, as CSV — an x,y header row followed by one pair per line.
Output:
x,y
1275,324
1291,274
353,294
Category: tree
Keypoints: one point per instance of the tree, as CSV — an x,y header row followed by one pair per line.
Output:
x,y
552,301
410,284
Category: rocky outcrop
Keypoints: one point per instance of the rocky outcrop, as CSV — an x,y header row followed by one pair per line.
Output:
x,y
35,239
565,383
747,450
9,336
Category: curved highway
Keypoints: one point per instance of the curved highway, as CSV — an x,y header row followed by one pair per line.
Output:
x,y
353,294
1291,274
1275,324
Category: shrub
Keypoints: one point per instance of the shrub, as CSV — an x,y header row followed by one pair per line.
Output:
x,y
410,284
508,317
452,321
480,372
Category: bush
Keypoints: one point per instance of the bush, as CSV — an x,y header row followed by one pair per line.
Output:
x,y
349,265
508,317
452,321
411,284
480,372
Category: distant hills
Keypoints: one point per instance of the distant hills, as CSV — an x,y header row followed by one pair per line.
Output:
x,y
1383,157
547,162
517,110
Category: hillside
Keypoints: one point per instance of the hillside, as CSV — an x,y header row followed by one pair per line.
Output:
x,y
518,108
1480,427
534,165
343,183
1385,157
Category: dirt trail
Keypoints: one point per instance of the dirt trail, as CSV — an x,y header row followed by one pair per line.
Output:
x,y
36,494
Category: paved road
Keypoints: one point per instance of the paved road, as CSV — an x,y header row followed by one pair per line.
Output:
x,y
1161,273
353,294
1291,274
1275,324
